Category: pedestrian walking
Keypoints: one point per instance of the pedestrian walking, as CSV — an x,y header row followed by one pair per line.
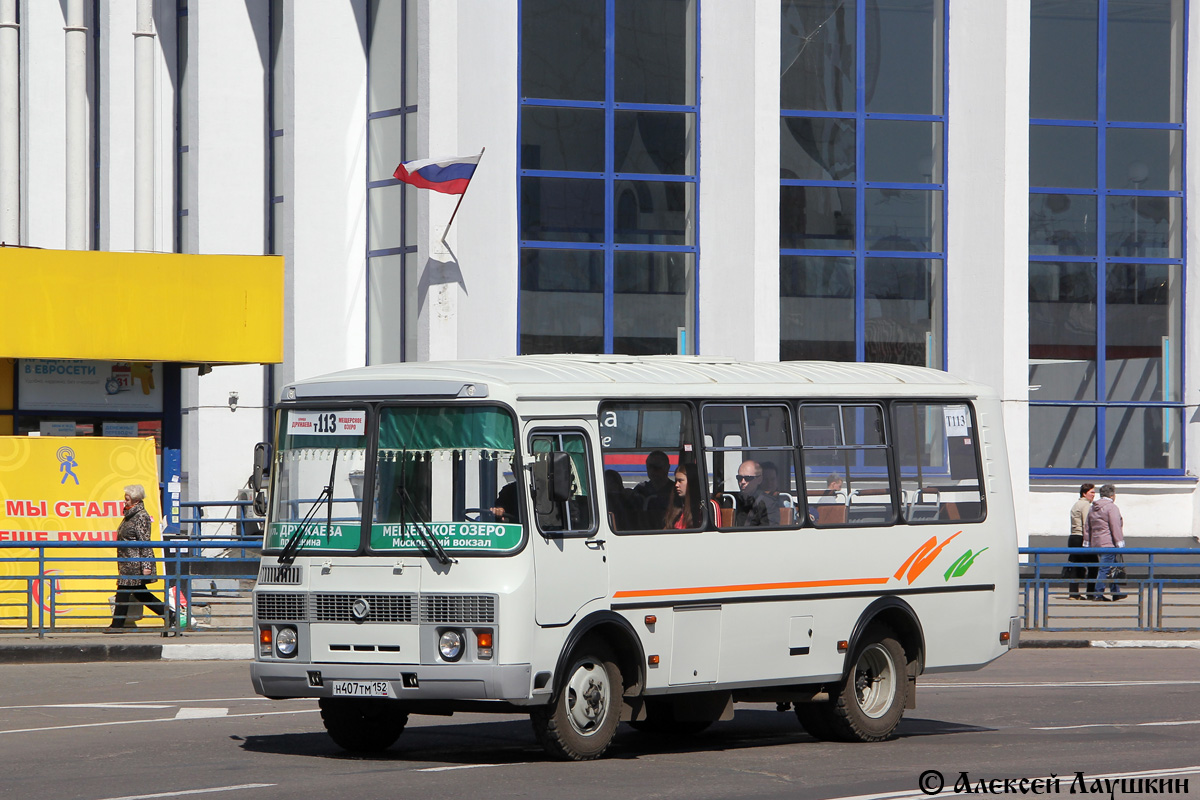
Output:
x,y
138,570
1105,528
1079,512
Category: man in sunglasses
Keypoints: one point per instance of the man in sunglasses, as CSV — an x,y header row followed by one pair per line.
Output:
x,y
751,509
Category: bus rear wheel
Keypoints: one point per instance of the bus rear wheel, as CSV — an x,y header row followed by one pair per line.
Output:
x,y
362,725
871,699
580,723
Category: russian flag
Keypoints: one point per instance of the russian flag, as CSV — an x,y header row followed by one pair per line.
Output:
x,y
445,175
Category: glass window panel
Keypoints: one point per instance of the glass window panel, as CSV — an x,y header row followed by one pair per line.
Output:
x,y
653,297
1062,157
816,149
385,278
1062,437
1143,330
1143,438
385,228
1144,227
653,212
562,209
653,143
562,301
904,219
562,49
899,151
816,53
1143,159
939,474
821,426
1145,60
410,216
562,139
1062,59
904,57
384,55
1062,331
904,311
655,52
816,217
1062,224
816,308
386,147
769,426
410,53
724,426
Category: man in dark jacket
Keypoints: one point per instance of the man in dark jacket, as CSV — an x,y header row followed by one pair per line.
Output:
x,y
752,509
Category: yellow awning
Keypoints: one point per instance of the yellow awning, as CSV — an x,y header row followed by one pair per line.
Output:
x,y
141,306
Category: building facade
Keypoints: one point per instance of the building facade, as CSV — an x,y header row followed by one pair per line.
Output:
x,y
998,188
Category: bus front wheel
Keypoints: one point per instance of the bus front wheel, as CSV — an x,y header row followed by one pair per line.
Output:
x,y
580,723
361,725
871,698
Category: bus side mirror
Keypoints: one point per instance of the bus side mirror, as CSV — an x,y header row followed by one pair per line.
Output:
x,y
260,477
262,466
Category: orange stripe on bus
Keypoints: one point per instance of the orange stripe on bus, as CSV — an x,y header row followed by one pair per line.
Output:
x,y
751,587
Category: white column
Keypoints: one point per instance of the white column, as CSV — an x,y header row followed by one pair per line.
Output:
x,y
988,245
739,180
77,127
438,100
143,124
10,124
485,244
227,68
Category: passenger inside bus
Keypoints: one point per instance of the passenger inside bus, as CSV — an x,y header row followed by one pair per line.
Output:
x,y
653,495
751,509
620,508
505,507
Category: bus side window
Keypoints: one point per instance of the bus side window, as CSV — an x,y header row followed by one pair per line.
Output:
x,y
563,500
847,480
936,453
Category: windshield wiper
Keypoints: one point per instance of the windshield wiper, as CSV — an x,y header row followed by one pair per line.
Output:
x,y
288,554
427,537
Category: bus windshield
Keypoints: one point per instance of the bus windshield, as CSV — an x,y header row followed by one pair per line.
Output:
x,y
317,496
445,473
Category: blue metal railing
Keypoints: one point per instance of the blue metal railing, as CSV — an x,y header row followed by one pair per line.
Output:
x,y
31,584
1162,584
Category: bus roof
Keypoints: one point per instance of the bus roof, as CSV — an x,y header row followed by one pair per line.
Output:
x,y
579,376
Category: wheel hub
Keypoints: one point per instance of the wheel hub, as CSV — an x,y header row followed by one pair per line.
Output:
x,y
587,697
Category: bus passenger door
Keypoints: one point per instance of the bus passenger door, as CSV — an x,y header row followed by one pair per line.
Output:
x,y
570,566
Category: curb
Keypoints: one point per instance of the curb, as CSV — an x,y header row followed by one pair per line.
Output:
x,y
78,653
1111,644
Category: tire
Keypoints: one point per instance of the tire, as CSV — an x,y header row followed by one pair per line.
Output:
x,y
580,722
871,701
362,725
660,721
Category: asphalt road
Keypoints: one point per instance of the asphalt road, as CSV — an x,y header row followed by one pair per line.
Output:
x,y
195,729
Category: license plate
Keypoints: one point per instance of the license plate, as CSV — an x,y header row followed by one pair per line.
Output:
x,y
362,689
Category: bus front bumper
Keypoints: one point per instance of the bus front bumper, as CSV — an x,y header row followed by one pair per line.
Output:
x,y
511,682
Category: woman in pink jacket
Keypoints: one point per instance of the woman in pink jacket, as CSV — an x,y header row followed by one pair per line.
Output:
x,y
1103,528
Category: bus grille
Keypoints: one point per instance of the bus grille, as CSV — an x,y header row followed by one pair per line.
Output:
x,y
288,576
383,607
462,609
281,606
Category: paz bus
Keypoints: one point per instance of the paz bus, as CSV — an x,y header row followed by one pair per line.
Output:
x,y
510,536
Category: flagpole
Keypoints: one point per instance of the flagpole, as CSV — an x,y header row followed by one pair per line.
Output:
x,y
459,203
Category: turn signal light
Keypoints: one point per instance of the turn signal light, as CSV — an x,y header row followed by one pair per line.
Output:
x,y
1005,636
651,619
264,642
653,660
483,643
843,645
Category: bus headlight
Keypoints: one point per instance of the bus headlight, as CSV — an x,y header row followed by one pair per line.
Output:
x,y
285,642
450,645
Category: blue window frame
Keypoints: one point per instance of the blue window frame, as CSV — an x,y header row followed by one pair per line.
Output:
x,y
862,180
608,132
391,206
1106,237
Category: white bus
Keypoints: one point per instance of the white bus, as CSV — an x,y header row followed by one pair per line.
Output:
x,y
513,536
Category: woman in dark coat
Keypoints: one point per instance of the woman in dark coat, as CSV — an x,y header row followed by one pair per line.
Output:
x,y
138,570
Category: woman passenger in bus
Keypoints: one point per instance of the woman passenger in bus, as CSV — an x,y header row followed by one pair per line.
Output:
x,y
683,512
